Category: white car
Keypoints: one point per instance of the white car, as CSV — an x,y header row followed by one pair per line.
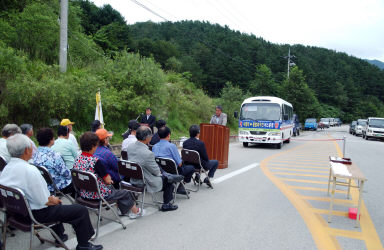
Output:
x,y
374,128
361,123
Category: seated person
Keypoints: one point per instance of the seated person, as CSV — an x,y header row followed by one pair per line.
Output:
x,y
86,161
156,180
133,125
95,125
45,208
27,129
65,147
44,156
106,156
193,143
155,138
165,149
8,130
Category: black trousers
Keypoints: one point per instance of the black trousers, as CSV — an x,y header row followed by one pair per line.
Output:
x,y
76,215
168,189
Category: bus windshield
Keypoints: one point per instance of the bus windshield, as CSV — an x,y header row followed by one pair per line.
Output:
x,y
260,112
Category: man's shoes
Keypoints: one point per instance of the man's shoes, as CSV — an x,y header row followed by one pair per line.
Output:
x,y
63,238
181,190
139,213
174,178
168,207
89,247
208,182
197,179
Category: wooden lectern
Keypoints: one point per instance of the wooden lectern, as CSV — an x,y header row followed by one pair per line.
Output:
x,y
216,139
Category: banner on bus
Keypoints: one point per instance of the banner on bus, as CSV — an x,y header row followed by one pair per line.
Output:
x,y
259,124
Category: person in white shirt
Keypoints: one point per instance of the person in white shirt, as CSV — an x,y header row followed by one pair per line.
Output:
x,y
133,125
72,138
46,208
8,130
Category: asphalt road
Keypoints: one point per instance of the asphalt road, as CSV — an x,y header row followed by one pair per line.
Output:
x,y
265,199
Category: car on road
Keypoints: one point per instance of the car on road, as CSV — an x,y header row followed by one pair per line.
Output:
x,y
338,122
361,123
352,127
324,123
374,128
332,122
310,124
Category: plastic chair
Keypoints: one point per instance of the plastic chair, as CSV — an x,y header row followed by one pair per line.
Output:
x,y
88,181
19,215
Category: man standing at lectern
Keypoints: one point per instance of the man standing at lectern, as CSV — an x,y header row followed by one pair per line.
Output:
x,y
193,143
220,117
148,118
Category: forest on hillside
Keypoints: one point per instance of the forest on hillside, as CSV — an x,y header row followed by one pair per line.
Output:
x,y
181,69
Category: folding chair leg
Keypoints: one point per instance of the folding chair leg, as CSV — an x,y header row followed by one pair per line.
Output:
x,y
4,231
31,236
116,215
98,223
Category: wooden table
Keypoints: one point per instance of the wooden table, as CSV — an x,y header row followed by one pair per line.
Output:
x,y
348,172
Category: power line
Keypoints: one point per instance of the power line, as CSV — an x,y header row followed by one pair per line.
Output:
x,y
148,9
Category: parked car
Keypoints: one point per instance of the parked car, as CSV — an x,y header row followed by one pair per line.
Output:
x,y
310,124
332,122
324,123
338,122
352,127
361,123
296,125
374,128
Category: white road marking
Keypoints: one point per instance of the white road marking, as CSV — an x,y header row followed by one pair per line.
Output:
x,y
234,173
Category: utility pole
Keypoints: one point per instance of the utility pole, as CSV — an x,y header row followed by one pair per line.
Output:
x,y
63,35
290,62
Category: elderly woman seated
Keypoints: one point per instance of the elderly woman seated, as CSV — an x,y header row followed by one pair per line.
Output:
x,y
53,162
88,162
106,156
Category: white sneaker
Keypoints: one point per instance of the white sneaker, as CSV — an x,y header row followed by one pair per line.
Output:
x,y
140,212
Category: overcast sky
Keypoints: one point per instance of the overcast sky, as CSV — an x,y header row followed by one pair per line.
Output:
x,y
352,26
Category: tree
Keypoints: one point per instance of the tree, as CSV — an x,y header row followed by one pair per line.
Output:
x,y
263,82
296,91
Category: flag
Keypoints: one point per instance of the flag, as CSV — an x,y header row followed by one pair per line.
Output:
x,y
99,110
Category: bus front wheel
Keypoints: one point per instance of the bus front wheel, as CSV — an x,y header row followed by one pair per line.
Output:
x,y
245,144
278,145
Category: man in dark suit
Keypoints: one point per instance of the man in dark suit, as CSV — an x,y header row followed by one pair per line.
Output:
x,y
193,143
148,118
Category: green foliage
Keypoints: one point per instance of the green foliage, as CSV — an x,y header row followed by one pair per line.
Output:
x,y
230,99
263,83
296,91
